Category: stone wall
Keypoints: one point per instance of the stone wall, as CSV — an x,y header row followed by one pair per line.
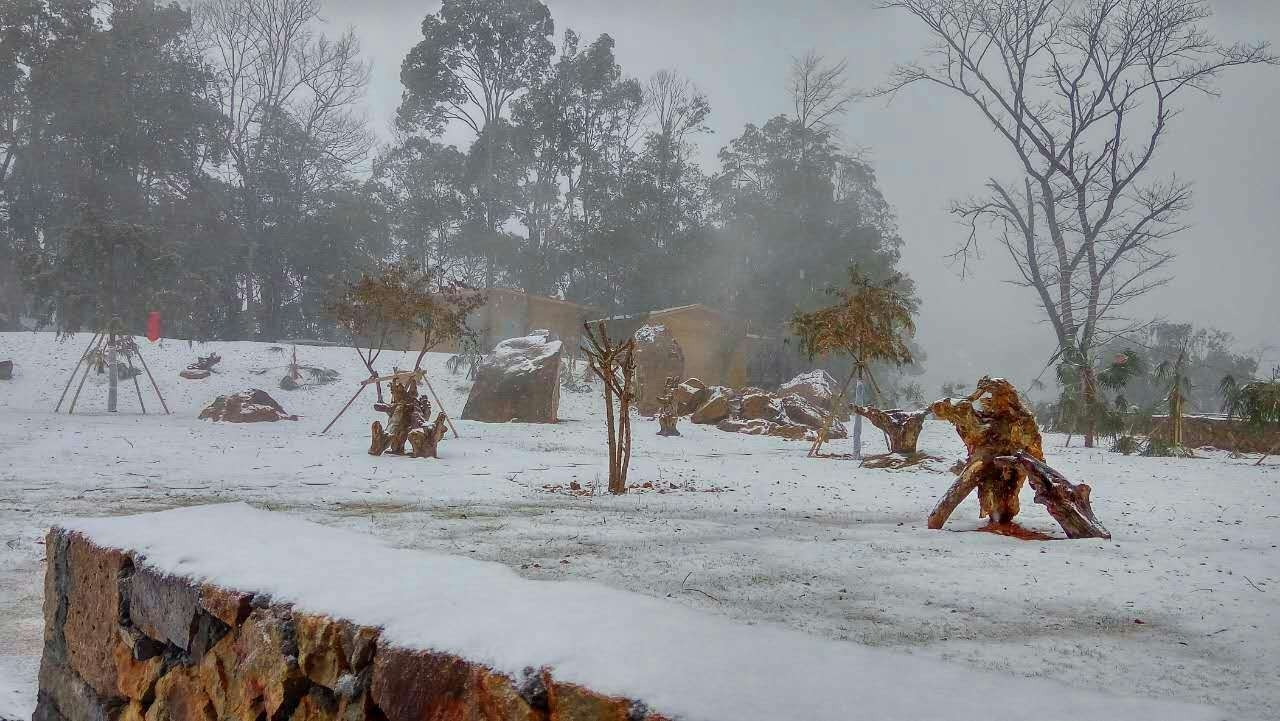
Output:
x,y
123,642
1218,432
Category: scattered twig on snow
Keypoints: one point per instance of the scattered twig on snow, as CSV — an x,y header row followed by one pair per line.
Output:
x,y
1255,586
1215,633
699,590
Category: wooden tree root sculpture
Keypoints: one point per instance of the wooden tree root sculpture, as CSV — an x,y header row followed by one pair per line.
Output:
x,y
426,440
1068,503
997,494
902,428
1004,451
407,415
668,413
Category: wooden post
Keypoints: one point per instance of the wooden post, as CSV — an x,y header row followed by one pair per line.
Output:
x,y
72,378
154,387
440,405
72,409
348,405
136,387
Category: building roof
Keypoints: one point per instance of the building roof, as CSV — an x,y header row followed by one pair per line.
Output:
x,y
675,310
539,298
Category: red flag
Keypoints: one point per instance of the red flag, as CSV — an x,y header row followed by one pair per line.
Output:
x,y
153,326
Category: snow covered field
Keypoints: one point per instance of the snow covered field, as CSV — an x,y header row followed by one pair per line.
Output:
x,y
1184,603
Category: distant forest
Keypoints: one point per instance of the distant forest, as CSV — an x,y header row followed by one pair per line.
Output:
x,y
215,162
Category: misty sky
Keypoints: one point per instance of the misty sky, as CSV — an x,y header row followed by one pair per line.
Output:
x,y
930,148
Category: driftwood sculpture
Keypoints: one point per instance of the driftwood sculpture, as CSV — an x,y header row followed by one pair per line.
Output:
x,y
407,415
1004,451
1068,504
902,428
668,412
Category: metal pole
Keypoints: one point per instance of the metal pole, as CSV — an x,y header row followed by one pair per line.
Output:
x,y
72,379
113,374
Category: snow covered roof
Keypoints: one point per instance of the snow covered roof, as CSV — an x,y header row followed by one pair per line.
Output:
x,y
538,298
682,663
655,314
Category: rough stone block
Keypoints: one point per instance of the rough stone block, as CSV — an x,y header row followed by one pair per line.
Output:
x,y
64,696
230,607
180,696
94,612
136,679
163,607
570,702
422,686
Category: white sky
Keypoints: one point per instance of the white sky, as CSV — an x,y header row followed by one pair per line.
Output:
x,y
930,149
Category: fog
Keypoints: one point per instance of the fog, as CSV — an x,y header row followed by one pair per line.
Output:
x,y
930,148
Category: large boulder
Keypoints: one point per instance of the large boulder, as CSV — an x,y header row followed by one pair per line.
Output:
x,y
658,356
761,427
251,406
690,396
719,406
801,412
762,406
818,388
518,381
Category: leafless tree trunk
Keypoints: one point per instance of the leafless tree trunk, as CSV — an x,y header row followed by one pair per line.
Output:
x,y
275,73
678,109
616,367
1083,93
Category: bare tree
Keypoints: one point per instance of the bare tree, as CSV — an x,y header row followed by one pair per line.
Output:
x,y
282,83
678,109
615,364
819,92
1083,93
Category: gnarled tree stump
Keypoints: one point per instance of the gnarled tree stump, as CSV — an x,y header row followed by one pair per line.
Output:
x,y
668,411
902,428
1005,451
407,415
1068,503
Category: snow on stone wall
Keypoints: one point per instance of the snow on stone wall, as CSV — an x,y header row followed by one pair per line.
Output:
x,y
228,612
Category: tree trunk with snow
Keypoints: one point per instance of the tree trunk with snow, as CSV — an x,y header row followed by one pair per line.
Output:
x,y
1068,503
902,428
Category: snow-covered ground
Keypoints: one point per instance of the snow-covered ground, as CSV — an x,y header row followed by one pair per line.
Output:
x,y
1184,602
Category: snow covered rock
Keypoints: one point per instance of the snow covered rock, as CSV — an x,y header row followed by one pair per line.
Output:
x,y
6,370
690,395
802,412
719,406
518,381
762,427
251,406
761,405
195,374
658,356
817,387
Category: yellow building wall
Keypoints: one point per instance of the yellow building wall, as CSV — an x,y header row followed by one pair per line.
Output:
x,y
509,314
714,351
